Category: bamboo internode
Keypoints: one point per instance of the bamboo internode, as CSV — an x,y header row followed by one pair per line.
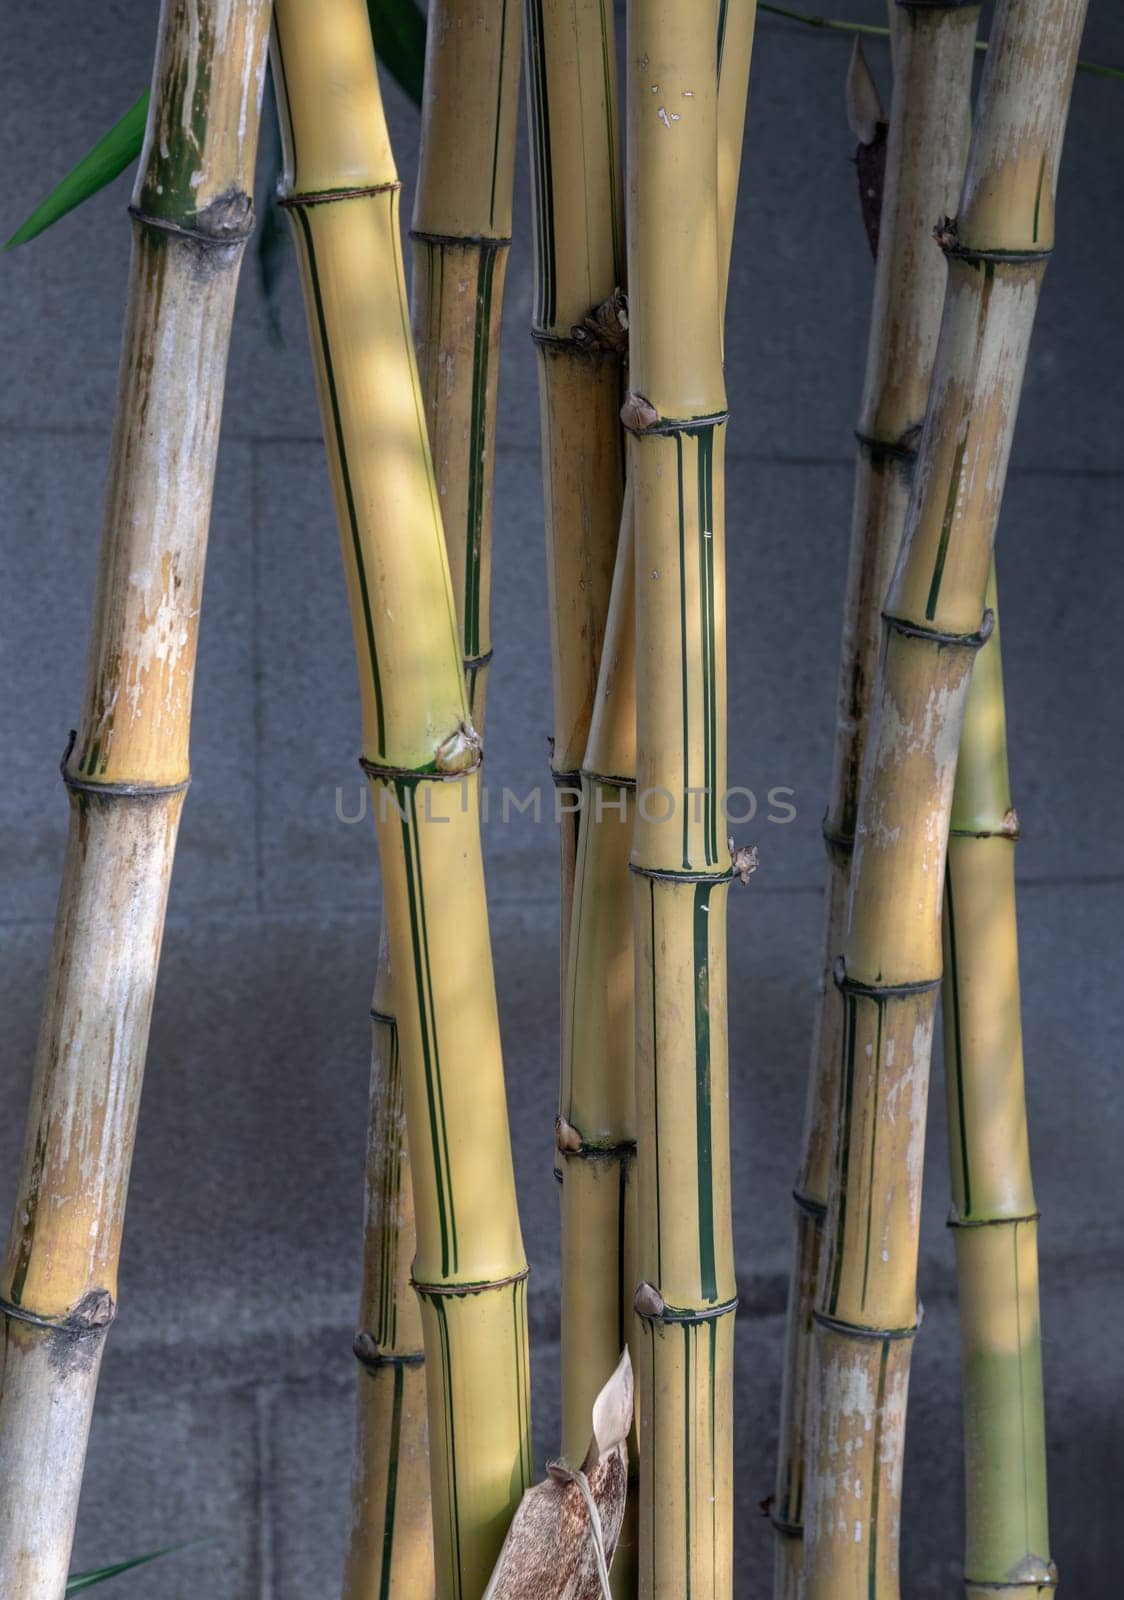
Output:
x,y
422,756
994,1217
888,976
126,772
927,145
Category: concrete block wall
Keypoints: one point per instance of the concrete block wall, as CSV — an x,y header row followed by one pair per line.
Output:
x,y
225,1406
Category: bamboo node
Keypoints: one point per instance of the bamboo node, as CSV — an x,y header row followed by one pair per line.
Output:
x,y
365,1349
324,197
606,326
639,415
227,220
566,1135
745,860
947,235
879,991
647,1302
93,1314
461,752
965,641
855,1330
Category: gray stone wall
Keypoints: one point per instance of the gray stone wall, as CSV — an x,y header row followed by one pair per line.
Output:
x,y
225,1406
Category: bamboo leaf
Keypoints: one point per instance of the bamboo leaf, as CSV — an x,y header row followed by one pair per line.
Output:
x,y
110,156
398,29
86,1580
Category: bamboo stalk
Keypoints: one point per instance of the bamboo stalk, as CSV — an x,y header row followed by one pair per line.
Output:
x,y
390,1540
933,55
680,860
994,1217
461,232
126,772
422,756
888,976
579,340
597,1123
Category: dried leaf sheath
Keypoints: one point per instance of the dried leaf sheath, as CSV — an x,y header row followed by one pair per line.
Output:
x,y
126,770
890,972
579,263
927,146
994,1217
422,756
462,219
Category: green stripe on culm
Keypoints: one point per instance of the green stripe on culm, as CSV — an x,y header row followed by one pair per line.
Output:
x,y
386,1573
704,1173
952,978
544,313
709,649
438,1305
685,706
608,73
345,473
652,967
687,1379
876,1472
454,1243
846,1095
477,448
405,797
499,115
873,1151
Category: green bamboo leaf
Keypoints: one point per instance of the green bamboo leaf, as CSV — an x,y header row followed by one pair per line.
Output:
x,y
398,28
86,1580
111,155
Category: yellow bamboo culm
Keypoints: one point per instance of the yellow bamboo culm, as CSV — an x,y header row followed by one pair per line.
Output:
x,y
579,330
422,755
934,49
994,1217
461,233
888,976
596,1129
597,1123
461,229
126,772
390,1540
676,412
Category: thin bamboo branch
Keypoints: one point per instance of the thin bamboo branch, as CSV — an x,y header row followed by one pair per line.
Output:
x,y
866,1303
676,414
994,1217
422,756
461,228
926,149
579,339
126,772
